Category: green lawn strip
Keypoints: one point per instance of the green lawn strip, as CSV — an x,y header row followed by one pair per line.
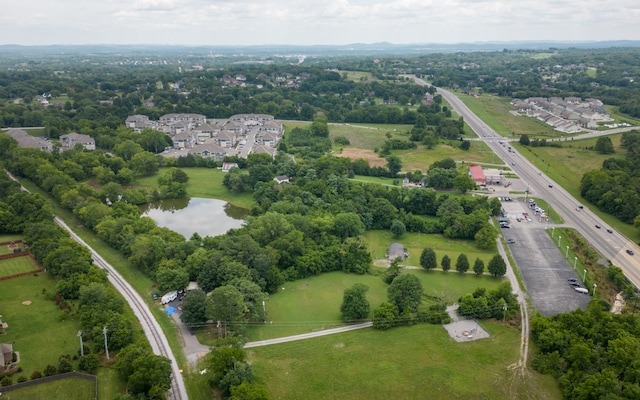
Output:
x,y
67,389
17,265
415,362
109,383
35,330
143,285
204,182
378,242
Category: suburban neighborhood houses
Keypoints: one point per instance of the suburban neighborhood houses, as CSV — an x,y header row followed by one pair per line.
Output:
x,y
568,115
239,135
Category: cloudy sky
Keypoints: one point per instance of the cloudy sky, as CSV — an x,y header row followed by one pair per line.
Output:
x,y
305,22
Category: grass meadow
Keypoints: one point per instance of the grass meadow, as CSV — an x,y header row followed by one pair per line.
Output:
x,y
67,389
35,330
416,362
17,265
203,182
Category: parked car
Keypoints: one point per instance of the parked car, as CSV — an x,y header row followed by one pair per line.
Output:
x,y
511,241
630,252
574,284
572,280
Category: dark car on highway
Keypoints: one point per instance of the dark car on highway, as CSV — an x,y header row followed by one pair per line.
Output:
x,y
630,252
598,226
609,230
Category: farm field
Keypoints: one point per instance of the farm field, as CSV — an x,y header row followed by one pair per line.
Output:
x,y
35,329
415,362
67,389
17,265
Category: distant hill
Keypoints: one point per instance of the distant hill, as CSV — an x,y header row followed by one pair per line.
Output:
x,y
350,49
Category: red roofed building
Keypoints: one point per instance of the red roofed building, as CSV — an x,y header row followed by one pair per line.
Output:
x,y
477,174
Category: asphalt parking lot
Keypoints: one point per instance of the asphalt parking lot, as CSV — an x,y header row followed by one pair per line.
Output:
x,y
543,266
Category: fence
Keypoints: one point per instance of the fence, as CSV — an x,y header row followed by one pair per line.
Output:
x,y
53,378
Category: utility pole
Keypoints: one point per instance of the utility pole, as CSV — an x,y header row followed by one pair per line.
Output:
x,y
81,346
106,348
504,309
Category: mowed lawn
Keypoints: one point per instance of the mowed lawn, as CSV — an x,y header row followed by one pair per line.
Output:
x,y
67,389
312,304
378,242
17,265
34,329
416,362
203,182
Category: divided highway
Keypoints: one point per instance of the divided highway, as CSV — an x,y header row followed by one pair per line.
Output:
x,y
612,245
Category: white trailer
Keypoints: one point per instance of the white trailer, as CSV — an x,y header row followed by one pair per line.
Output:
x,y
169,297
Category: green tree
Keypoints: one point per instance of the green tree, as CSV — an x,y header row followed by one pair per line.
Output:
x,y
171,276
465,145
486,237
249,391
385,316
428,259
226,306
355,305
348,225
604,145
394,270
497,266
145,163
463,183
394,165
478,267
151,374
405,293
194,308
398,229
445,263
524,140
462,263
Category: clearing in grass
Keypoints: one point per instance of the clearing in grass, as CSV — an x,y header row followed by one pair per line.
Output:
x,y
420,361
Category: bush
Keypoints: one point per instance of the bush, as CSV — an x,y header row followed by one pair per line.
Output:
x,y
50,370
6,381
36,375
22,378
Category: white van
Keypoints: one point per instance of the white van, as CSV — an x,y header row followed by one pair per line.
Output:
x,y
581,290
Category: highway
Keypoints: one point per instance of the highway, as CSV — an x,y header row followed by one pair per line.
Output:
x,y
612,246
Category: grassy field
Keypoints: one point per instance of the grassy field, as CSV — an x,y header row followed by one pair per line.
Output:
x,y
359,76
10,237
35,330
495,111
378,242
204,182
415,362
67,389
17,265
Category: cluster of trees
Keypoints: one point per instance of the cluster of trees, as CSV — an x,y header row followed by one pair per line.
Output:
x,y
428,261
614,187
229,372
148,376
404,302
593,354
483,304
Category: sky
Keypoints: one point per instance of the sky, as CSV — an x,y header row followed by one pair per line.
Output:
x,y
313,22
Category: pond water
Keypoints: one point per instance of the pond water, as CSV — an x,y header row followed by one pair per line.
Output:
x,y
208,217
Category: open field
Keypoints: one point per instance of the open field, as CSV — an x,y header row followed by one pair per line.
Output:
x,y
67,389
358,76
353,154
35,330
415,362
378,242
495,111
17,265
368,136
204,182
10,237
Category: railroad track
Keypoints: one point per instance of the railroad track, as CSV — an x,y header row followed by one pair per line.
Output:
x,y
150,326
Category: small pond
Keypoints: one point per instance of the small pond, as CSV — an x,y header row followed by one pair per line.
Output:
x,y
208,217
